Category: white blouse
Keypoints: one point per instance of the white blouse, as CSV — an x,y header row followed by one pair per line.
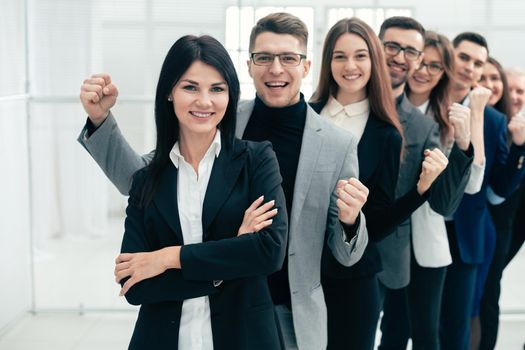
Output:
x,y
195,321
352,117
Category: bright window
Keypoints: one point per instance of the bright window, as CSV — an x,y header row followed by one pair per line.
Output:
x,y
239,23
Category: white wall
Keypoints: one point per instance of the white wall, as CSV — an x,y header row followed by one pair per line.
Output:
x,y
14,175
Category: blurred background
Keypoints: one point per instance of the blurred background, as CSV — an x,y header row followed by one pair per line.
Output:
x,y
61,221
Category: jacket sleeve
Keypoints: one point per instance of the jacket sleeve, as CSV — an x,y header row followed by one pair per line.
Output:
x,y
346,252
251,254
383,211
168,286
446,192
113,154
506,172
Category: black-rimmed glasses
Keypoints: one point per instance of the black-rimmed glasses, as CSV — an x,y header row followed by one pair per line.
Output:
x,y
432,68
286,59
393,48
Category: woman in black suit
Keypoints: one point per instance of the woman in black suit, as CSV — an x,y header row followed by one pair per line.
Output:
x,y
354,91
191,256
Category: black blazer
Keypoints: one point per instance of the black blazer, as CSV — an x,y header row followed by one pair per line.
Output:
x,y
378,153
242,315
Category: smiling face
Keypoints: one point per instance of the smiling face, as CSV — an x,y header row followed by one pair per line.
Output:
x,y
200,98
351,68
516,92
398,66
491,79
422,82
277,85
469,59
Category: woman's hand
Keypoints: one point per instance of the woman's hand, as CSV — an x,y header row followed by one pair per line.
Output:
x,y
257,216
459,117
98,94
433,165
141,266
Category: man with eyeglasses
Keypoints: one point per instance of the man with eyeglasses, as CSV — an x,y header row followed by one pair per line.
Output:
x,y
470,242
318,163
403,40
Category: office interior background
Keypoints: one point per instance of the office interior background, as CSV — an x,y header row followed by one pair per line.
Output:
x,y
61,221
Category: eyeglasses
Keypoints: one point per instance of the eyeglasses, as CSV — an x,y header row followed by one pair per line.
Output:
x,y
432,68
393,48
286,59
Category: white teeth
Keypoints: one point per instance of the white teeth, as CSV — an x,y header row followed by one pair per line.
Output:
x,y
351,77
201,115
276,84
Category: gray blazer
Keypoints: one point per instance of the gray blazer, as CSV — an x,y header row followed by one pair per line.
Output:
x,y
328,154
420,132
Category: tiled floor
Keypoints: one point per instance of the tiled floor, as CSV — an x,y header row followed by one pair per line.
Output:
x,y
76,274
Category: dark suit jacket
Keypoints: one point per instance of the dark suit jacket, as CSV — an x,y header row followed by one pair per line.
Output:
x,y
502,172
242,315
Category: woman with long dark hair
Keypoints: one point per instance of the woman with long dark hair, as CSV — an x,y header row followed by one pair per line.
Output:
x,y
354,92
191,256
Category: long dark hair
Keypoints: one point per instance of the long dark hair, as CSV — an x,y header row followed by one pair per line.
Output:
x,y
180,57
503,104
378,89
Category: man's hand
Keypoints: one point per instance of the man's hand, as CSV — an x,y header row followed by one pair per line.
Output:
x,y
517,129
352,196
459,117
433,165
98,95
257,216
141,266
479,96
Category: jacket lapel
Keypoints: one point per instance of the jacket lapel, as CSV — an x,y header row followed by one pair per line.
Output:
x,y
368,149
244,112
224,174
166,199
310,149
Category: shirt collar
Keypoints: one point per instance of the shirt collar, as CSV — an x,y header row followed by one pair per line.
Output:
x,y
215,147
351,110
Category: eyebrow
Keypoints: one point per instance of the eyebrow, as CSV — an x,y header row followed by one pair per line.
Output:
x,y
360,50
195,83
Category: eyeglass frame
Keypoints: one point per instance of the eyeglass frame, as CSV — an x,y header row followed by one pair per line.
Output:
x,y
253,54
400,48
428,65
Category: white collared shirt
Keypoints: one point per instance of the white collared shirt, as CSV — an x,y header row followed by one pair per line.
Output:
x,y
195,321
352,117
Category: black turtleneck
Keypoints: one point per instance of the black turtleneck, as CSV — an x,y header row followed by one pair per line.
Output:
x,y
284,128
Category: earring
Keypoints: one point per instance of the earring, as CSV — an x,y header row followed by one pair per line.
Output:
x,y
170,98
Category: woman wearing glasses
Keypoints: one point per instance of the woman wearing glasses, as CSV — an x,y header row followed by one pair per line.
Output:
x,y
428,89
354,92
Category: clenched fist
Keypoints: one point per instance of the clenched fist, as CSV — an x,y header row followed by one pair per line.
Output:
x,y
459,117
517,129
352,195
433,165
98,94
479,97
